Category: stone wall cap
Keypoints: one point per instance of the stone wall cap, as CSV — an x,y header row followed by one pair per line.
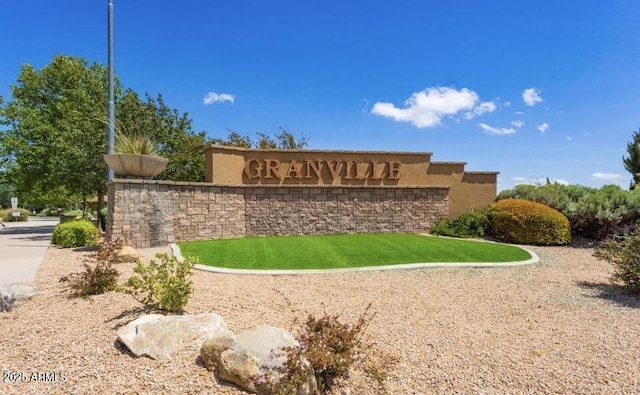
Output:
x,y
450,163
208,185
241,149
482,172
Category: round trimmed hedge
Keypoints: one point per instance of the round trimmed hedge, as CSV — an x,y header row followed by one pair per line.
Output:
x,y
76,233
525,222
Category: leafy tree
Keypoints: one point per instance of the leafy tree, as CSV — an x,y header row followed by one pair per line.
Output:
x,y
54,133
53,140
632,162
6,193
234,139
283,139
286,140
171,130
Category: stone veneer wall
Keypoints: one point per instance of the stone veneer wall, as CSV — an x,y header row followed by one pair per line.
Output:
x,y
154,213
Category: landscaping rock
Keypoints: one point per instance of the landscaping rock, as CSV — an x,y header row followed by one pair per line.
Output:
x,y
250,357
161,337
13,295
129,254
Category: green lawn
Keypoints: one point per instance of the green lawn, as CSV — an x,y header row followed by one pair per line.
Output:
x,y
344,251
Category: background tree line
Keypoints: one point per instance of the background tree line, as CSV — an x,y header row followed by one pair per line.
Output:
x,y
53,132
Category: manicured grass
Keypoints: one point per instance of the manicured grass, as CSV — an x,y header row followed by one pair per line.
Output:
x,y
344,251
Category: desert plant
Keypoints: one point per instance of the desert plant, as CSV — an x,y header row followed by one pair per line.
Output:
x,y
99,275
472,223
623,252
77,233
331,349
165,286
600,212
127,143
526,222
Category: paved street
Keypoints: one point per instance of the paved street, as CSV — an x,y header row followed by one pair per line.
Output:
x,y
22,248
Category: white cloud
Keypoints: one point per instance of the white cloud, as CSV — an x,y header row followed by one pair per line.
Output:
x,y
523,180
543,127
569,138
612,177
560,181
517,123
478,110
213,97
426,108
496,131
531,96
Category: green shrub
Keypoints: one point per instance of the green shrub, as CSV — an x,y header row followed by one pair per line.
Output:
x,y
331,348
99,278
7,215
526,222
73,213
592,212
623,252
599,213
472,223
49,212
78,233
163,286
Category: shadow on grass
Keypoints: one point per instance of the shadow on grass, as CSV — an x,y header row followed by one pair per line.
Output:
x,y
611,292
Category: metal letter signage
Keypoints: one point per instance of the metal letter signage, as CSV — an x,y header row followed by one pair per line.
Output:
x,y
314,169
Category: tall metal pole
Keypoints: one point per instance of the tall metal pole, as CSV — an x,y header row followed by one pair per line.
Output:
x,y
112,113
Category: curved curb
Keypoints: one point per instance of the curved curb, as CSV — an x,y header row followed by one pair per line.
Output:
x,y
406,266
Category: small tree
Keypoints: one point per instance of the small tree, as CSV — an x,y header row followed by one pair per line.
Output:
x,y
283,139
632,162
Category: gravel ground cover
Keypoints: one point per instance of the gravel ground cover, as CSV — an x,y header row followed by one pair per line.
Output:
x,y
556,327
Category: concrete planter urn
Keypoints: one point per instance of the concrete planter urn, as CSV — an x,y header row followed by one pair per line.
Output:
x,y
136,165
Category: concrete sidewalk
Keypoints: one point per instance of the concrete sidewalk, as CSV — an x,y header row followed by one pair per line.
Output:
x,y
22,248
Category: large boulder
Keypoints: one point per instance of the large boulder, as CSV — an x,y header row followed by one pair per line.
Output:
x,y
251,359
161,337
13,295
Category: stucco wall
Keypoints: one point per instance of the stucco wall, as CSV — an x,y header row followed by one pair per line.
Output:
x,y
153,213
239,166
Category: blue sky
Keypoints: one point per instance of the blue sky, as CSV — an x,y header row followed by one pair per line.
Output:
x,y
532,89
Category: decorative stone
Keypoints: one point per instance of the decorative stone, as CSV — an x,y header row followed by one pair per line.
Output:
x,y
129,254
250,358
161,337
13,295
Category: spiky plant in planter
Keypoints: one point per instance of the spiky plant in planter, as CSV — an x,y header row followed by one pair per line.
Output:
x,y
135,144
136,156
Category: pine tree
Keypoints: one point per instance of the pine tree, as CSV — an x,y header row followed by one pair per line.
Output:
x,y
632,162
